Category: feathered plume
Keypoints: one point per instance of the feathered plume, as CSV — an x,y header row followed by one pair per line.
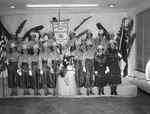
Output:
x,y
6,33
82,33
37,28
100,26
82,23
20,27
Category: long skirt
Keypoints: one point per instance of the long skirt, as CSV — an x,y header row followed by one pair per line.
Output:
x,y
36,77
79,75
47,76
114,79
101,77
89,78
24,78
55,66
13,77
66,86
114,75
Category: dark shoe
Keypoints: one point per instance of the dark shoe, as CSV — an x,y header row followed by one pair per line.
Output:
x,y
88,93
115,93
25,93
38,93
102,90
46,93
12,94
99,92
28,93
92,93
35,93
79,93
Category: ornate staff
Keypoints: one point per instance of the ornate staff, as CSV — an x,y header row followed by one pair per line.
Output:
x,y
122,31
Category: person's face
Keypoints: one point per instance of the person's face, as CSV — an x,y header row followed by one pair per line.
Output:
x,y
112,45
64,46
100,35
88,35
83,41
55,48
77,47
13,37
89,47
13,49
111,36
35,51
33,37
25,51
46,49
72,34
20,39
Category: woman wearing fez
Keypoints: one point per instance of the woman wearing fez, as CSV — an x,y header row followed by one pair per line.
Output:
x,y
83,44
45,68
72,39
114,69
24,70
13,78
100,68
78,65
102,40
56,60
88,58
36,78
89,36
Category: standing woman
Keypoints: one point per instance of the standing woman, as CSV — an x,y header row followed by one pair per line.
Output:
x,y
83,44
56,60
72,39
45,68
13,78
24,69
78,66
36,78
114,73
100,68
88,58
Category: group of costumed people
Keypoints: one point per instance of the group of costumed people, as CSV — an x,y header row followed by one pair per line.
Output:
x,y
42,63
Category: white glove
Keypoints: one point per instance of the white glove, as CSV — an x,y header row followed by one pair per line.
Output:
x,y
107,70
52,71
60,67
30,72
119,55
19,72
41,72
84,69
96,72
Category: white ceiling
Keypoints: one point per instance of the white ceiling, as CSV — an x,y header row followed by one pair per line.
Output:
x,y
121,5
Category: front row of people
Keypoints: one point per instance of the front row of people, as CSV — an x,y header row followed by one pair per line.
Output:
x,y
43,70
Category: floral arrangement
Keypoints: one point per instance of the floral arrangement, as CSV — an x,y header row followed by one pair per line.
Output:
x,y
68,60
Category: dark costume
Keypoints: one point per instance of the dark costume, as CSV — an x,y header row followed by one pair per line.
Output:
x,y
88,57
36,77
100,66
79,75
13,77
45,65
114,74
23,66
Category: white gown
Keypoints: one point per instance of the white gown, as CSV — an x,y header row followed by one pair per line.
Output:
x,y
66,86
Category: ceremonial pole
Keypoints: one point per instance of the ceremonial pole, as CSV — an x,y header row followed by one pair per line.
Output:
x,y
59,14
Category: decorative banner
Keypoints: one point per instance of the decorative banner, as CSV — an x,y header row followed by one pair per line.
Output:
x,y
60,29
